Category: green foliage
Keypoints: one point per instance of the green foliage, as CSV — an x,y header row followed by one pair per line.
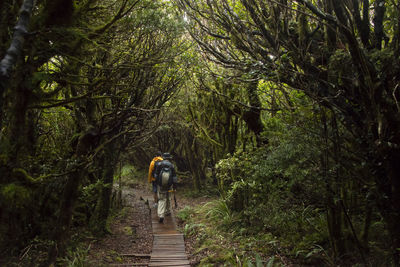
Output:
x,y
87,202
340,65
76,257
219,211
128,171
98,75
276,189
186,214
214,227
16,196
130,176
271,262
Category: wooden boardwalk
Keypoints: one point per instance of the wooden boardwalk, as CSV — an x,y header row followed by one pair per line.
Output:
x,y
168,243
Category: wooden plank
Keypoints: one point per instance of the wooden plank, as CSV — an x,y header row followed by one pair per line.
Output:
x,y
168,244
161,235
162,251
165,243
169,264
168,253
136,255
169,258
168,240
128,264
158,250
167,247
177,263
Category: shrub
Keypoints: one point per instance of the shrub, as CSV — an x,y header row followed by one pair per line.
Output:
x,y
276,189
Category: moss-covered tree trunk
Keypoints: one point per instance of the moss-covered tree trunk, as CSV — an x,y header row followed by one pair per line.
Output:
x,y
69,196
98,221
192,159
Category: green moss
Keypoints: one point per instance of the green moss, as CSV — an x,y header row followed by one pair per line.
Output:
x,y
128,230
23,176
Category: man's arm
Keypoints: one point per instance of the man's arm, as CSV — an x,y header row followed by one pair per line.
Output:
x,y
151,168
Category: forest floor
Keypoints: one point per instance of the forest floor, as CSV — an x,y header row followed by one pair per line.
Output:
x,y
131,237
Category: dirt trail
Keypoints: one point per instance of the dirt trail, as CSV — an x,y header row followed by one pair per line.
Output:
x,y
131,239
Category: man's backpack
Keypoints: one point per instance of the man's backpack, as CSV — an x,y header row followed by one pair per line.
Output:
x,y
164,178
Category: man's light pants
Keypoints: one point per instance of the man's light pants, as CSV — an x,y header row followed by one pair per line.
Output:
x,y
164,203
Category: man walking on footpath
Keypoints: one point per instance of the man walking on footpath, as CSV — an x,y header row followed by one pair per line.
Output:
x,y
151,177
166,179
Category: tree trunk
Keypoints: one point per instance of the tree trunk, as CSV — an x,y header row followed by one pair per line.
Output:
x,y
388,181
61,231
99,219
252,117
69,197
367,225
17,134
333,209
191,156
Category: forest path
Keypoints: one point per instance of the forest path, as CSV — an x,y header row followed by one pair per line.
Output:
x,y
137,238
168,244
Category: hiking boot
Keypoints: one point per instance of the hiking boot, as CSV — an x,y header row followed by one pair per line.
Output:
x,y
161,220
168,213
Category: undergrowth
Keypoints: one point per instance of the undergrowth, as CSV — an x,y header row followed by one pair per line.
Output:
x,y
220,242
76,257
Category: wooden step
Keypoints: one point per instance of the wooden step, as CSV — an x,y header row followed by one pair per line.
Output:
x,y
168,243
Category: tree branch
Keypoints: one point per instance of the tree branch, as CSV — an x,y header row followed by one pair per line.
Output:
x,y
121,13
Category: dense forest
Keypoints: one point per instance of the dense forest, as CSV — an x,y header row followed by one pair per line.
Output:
x,y
288,110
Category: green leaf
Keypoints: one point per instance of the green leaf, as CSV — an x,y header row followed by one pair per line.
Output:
x,y
271,262
259,261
